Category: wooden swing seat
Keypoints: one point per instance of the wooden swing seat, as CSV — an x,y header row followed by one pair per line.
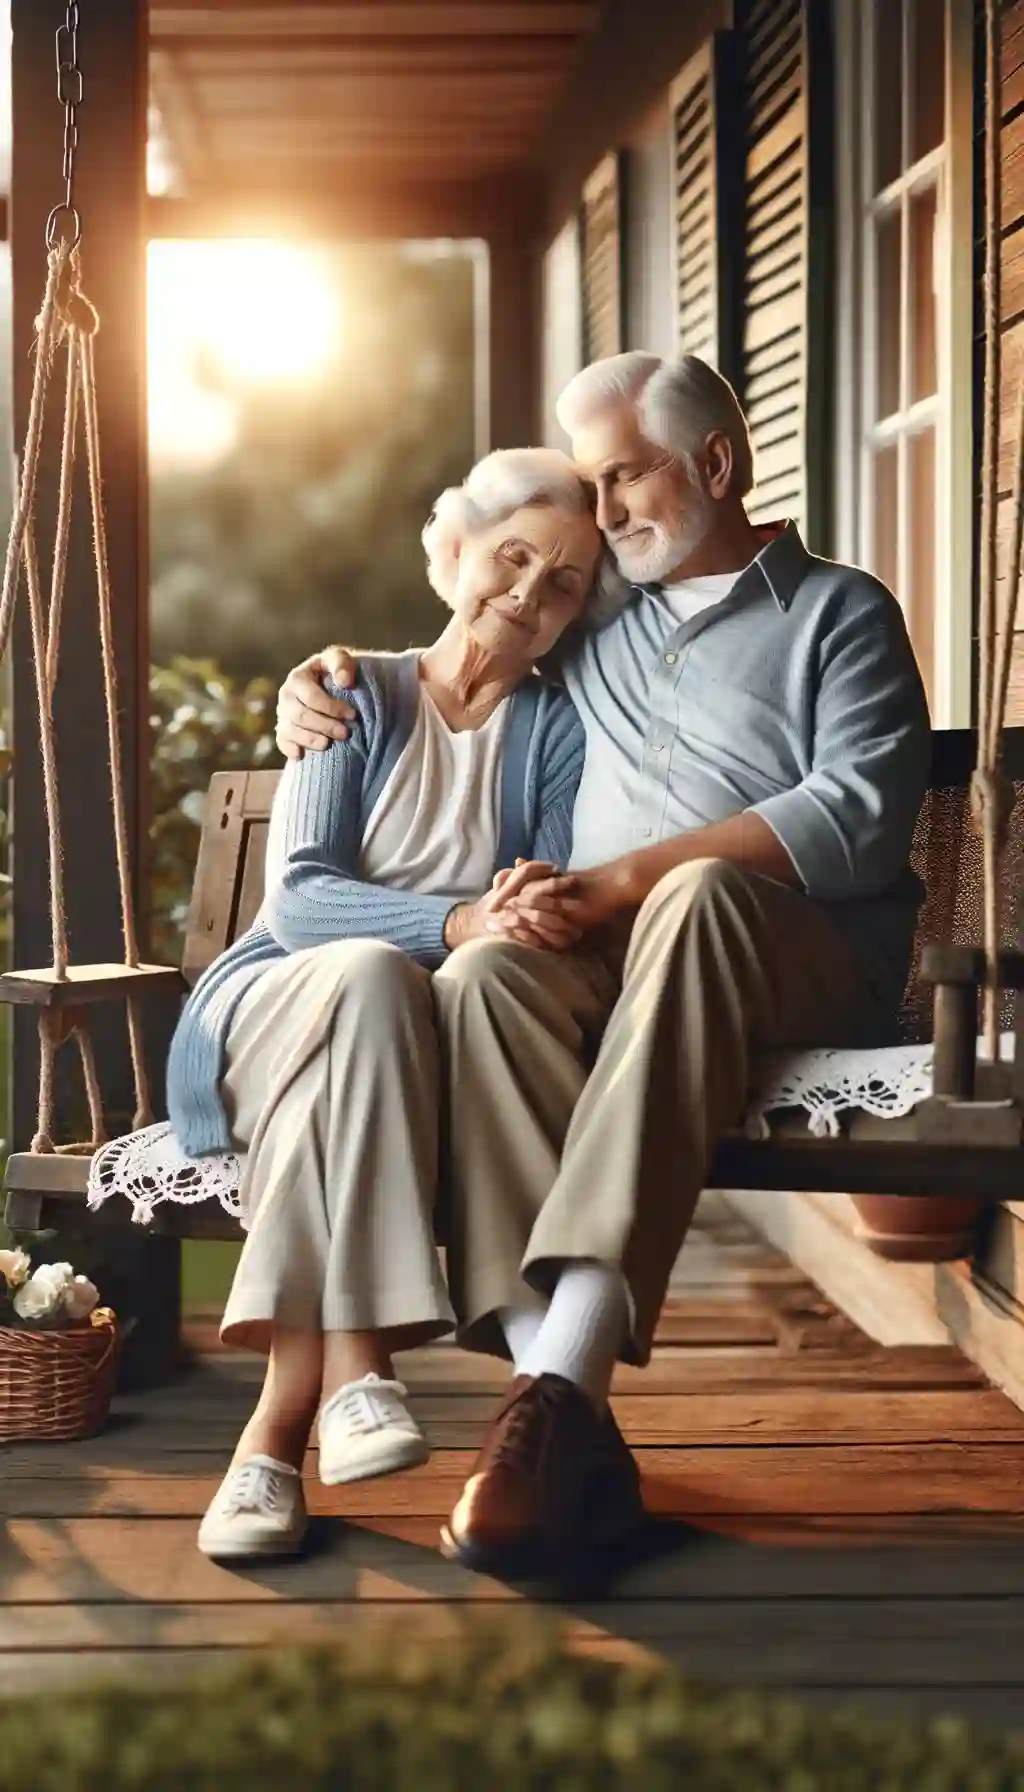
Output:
x,y
84,983
871,1157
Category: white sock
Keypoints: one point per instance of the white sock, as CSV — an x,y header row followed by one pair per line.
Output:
x,y
583,1329
520,1326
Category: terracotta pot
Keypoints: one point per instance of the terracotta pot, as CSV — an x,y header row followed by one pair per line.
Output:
x,y
918,1228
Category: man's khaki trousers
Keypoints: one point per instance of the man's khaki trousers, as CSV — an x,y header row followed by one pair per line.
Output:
x,y
539,1106
586,1096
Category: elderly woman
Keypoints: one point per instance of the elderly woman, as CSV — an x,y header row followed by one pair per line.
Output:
x,y
311,1043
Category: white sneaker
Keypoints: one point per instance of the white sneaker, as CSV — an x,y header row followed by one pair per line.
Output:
x,y
367,1429
258,1510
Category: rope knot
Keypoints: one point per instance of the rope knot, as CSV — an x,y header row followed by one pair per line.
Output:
x,y
76,311
73,309
993,801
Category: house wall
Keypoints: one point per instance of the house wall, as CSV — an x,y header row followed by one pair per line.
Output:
x,y
650,317
562,329
622,71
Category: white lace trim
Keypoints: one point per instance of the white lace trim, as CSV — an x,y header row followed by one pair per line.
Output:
x,y
148,1167
827,1082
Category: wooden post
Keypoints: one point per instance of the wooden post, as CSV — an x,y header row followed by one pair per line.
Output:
x,y
110,193
956,1034
513,337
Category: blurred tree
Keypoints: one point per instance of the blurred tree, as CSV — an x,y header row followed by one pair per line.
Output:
x,y
308,529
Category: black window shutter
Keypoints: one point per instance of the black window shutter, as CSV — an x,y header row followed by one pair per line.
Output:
x,y
706,202
785,373
601,259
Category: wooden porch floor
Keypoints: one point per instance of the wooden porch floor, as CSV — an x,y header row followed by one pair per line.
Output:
x,y
827,1516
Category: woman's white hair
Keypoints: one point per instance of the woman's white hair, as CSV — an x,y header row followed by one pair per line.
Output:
x,y
679,404
503,482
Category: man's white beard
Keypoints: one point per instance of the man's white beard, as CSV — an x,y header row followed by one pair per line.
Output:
x,y
657,553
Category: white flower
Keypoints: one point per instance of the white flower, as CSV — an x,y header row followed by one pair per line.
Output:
x,y
80,1296
56,1276
14,1267
43,1293
53,1291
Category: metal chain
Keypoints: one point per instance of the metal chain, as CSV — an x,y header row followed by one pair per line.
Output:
x,y
64,223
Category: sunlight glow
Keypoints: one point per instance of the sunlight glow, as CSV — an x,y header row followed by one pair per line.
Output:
x,y
263,312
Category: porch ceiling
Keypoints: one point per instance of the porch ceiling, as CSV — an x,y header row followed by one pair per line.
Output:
x,y
270,98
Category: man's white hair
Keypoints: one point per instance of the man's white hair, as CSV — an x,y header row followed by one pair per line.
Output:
x,y
507,480
679,404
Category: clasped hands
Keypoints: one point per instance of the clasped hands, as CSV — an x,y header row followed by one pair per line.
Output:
x,y
537,904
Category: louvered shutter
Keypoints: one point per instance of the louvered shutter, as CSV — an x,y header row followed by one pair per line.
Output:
x,y
601,260
784,374
703,107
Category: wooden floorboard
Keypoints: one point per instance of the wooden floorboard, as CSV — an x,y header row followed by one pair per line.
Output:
x,y
826,1516
679,1481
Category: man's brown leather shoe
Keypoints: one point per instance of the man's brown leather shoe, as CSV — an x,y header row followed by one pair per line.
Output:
x,y
554,1485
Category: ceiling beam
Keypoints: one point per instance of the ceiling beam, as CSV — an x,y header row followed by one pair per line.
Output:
x,y
385,56
285,95
338,209
197,19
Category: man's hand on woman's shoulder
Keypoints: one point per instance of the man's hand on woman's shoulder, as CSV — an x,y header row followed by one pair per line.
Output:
x,y
308,720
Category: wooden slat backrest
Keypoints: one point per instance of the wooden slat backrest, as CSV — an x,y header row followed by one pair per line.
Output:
x,y
947,857
228,885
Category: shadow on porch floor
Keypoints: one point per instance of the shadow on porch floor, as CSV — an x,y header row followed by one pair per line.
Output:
x,y
826,1516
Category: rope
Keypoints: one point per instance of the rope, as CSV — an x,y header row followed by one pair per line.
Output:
x,y
60,546
94,1093
47,325
48,1043
58,918
992,794
143,1101
66,311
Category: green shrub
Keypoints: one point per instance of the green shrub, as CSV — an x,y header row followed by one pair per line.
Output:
x,y
486,1712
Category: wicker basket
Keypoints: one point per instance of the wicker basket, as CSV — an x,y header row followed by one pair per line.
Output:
x,y
56,1385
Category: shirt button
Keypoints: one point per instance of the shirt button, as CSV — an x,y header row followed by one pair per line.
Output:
x,y
658,746
646,833
671,658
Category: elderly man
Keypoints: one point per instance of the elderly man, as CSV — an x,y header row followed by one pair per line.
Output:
x,y
757,747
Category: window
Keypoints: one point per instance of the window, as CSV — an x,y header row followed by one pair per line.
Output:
x,y
905,320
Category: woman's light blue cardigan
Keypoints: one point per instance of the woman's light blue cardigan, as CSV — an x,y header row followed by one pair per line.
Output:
x,y
313,891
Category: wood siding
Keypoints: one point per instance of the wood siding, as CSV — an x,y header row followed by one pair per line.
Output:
x,y
601,239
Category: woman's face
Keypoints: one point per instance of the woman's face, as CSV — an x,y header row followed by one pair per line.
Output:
x,y
521,582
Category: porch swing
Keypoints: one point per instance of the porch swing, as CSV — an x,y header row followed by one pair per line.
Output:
x,y
964,1139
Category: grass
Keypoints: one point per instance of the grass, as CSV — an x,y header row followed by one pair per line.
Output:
x,y
207,1266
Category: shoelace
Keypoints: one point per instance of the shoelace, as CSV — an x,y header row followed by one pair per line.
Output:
x,y
369,1404
529,1420
255,1487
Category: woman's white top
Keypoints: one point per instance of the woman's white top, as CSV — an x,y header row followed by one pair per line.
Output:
x,y
435,823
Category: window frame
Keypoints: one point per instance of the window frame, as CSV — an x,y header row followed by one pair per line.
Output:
x,y
949,169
